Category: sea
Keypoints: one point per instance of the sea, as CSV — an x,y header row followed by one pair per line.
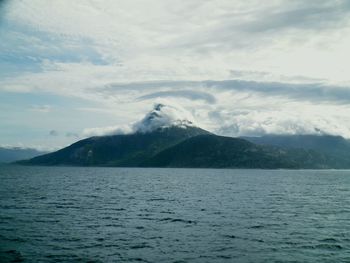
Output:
x,y
76,214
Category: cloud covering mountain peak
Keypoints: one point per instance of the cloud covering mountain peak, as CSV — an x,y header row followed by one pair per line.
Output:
x,y
161,116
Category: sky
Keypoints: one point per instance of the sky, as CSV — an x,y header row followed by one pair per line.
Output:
x,y
73,69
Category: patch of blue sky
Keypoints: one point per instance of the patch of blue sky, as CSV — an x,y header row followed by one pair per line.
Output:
x,y
41,98
31,116
27,111
13,132
24,48
24,136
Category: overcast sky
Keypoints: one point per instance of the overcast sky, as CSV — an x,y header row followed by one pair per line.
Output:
x,y
237,67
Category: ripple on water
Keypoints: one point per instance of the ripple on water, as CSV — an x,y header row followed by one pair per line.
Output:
x,y
174,220
11,256
67,214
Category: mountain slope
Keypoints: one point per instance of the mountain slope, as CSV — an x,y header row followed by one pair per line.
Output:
x,y
117,150
335,146
166,137
212,151
324,143
185,147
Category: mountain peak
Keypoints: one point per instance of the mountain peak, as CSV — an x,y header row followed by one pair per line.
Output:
x,y
164,116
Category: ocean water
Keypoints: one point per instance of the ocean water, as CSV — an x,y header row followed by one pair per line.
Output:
x,y
63,214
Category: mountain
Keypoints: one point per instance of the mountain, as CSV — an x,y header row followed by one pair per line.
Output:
x,y
161,128
117,150
184,147
8,155
212,151
325,143
166,137
335,146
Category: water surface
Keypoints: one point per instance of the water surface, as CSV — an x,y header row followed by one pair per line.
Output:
x,y
64,214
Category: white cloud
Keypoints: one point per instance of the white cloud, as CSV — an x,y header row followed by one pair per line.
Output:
x,y
148,40
287,118
109,130
162,116
120,57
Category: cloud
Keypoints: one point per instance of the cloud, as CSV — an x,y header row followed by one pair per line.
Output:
x,y
241,120
204,90
162,116
257,123
53,133
310,92
301,15
235,67
40,148
188,94
41,108
109,130
172,43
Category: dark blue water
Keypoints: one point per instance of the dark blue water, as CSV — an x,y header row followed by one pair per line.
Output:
x,y
173,215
